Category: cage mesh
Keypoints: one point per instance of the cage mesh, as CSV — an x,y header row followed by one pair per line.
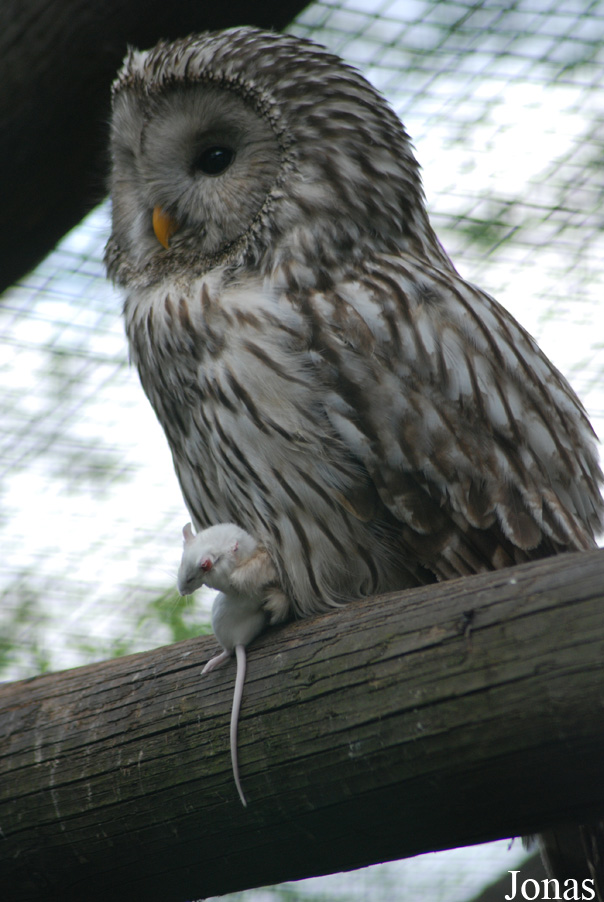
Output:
x,y
504,103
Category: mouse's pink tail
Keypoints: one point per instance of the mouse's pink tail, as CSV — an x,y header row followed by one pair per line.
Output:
x,y
237,696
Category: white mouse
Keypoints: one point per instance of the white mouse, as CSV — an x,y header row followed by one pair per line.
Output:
x,y
227,558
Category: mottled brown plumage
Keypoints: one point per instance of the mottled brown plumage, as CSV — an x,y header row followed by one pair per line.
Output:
x,y
324,377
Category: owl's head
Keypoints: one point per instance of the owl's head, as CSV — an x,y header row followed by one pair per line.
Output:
x,y
245,147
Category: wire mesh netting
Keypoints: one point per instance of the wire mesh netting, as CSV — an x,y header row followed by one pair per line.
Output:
x,y
505,108
504,103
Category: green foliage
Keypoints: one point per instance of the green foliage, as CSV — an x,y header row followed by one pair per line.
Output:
x,y
25,649
492,228
174,612
23,629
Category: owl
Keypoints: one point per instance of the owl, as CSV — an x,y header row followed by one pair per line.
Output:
x,y
324,377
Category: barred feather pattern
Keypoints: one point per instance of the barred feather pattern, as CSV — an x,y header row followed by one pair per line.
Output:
x,y
324,377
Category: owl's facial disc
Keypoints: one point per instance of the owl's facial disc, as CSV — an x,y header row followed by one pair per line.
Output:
x,y
193,166
208,161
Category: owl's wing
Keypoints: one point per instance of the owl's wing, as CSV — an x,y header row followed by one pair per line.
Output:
x,y
473,440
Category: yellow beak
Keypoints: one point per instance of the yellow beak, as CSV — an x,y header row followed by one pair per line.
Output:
x,y
164,226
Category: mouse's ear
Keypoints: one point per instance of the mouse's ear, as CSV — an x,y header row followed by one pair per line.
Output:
x,y
187,532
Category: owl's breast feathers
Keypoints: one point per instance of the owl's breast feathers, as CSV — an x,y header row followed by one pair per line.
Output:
x,y
391,429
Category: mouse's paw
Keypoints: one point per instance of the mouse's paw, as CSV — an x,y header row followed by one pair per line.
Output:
x,y
213,663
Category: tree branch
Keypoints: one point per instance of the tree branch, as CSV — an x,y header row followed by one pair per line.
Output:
x,y
57,61
438,717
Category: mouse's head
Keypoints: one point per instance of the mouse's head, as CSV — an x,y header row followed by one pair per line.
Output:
x,y
210,557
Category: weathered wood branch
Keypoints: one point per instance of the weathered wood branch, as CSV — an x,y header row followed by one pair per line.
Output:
x,y
57,61
434,718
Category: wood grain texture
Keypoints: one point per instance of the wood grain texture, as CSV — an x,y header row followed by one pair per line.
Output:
x,y
437,717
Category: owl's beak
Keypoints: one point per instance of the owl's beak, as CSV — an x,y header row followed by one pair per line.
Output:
x,y
164,226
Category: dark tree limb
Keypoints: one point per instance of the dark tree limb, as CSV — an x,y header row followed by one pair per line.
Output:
x,y
57,61
439,717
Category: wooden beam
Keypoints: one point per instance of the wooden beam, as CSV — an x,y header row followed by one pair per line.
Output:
x,y
57,61
438,717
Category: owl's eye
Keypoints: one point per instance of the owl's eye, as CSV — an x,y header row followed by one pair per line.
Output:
x,y
213,160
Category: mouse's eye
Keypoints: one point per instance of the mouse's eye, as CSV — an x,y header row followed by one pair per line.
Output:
x,y
206,565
